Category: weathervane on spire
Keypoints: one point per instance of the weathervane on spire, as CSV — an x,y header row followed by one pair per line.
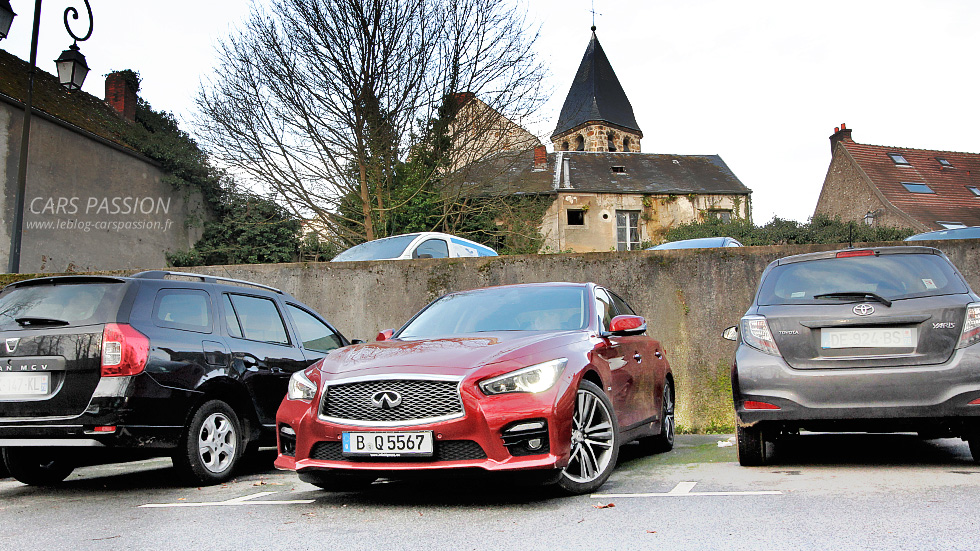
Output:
x,y
593,15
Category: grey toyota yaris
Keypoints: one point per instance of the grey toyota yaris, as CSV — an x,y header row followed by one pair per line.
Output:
x,y
866,340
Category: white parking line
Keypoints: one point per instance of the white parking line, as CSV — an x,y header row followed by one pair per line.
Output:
x,y
244,500
683,489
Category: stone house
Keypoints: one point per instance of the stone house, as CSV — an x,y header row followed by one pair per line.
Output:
x,y
607,194
92,202
922,189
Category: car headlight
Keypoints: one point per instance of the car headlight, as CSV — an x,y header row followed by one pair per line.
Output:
x,y
300,387
536,378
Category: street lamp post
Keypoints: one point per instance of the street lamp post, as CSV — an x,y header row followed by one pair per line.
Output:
x,y
75,75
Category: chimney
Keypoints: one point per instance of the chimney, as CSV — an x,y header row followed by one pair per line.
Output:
x,y
120,95
540,158
841,134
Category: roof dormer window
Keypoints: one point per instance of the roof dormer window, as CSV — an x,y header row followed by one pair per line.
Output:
x,y
917,188
944,162
619,169
974,190
899,159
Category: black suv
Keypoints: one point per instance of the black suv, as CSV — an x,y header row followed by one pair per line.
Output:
x,y
160,363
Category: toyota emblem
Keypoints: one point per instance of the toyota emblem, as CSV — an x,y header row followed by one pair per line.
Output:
x,y
386,399
864,309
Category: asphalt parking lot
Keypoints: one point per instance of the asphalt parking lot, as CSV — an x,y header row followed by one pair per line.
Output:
x,y
825,492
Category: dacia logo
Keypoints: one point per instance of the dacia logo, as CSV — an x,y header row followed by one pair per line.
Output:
x,y
11,344
386,399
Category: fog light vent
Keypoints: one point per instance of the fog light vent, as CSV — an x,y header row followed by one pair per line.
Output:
x,y
287,441
529,437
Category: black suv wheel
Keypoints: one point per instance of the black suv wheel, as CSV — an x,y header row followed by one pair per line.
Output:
x,y
211,445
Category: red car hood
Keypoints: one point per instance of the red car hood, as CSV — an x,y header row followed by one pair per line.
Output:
x,y
454,356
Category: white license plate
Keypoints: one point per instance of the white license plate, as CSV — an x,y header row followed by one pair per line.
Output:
x,y
388,444
24,384
885,337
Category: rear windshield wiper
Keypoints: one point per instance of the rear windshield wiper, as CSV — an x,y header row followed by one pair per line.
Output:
x,y
31,321
857,295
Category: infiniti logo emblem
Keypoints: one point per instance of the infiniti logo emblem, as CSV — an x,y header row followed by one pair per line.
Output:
x,y
864,309
386,399
12,344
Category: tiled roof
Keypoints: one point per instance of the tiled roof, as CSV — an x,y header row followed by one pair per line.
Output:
x,y
951,201
78,109
648,173
596,94
628,173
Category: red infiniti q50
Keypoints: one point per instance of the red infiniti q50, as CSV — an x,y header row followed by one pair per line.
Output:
x,y
551,377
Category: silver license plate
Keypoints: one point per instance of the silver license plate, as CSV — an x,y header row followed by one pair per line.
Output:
x,y
868,337
24,384
388,444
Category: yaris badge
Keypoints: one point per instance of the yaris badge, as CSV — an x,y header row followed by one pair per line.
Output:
x,y
12,344
864,309
386,399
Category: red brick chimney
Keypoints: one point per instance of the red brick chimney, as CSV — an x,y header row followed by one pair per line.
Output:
x,y
120,95
841,134
540,157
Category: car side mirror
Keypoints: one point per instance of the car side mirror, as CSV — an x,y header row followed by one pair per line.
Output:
x,y
627,325
357,341
385,335
731,333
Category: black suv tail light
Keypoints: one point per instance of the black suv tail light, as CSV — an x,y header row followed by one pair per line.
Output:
x,y
124,350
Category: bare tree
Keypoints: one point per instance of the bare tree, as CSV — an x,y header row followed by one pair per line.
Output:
x,y
318,100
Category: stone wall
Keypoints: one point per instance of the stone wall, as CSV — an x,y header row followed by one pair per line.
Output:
x,y
688,297
89,205
596,137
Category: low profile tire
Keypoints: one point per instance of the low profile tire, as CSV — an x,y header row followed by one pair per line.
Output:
x,y
595,442
38,466
338,482
750,446
211,446
663,442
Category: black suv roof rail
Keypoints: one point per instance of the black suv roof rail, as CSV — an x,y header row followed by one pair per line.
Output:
x,y
162,274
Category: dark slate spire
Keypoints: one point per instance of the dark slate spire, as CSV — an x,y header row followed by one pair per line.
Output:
x,y
596,94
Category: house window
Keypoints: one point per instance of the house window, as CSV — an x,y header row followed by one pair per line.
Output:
x,y
627,230
619,169
724,215
579,143
951,225
575,217
974,190
626,144
898,159
943,162
917,188
610,141
564,146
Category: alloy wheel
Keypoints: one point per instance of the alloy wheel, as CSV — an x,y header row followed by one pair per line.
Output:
x,y
216,443
593,439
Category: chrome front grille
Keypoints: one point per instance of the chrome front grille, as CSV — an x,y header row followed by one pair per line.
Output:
x,y
421,401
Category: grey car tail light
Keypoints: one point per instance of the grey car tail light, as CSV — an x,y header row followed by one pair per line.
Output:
x,y
755,333
971,326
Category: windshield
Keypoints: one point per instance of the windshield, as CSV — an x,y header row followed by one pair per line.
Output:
x,y
379,249
75,304
892,277
502,309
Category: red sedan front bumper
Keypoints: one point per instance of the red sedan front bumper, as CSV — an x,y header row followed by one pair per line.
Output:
x,y
482,438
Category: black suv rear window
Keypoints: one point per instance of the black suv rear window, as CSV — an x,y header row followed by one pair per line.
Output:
x,y
893,276
73,304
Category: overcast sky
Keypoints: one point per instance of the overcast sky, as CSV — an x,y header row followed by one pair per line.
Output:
x,y
761,83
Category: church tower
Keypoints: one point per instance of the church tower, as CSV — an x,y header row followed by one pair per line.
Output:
x,y
597,115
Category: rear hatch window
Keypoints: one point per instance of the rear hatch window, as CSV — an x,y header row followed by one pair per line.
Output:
x,y
51,344
865,311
